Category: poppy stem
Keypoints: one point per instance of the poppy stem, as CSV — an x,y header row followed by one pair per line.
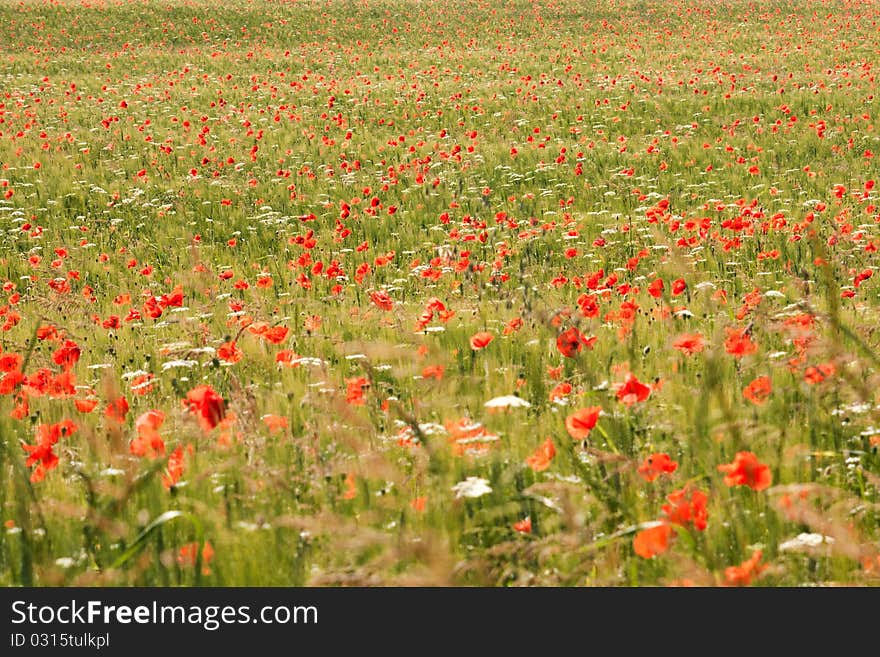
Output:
x,y
607,438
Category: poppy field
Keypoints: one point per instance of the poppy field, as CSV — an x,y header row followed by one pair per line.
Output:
x,y
433,293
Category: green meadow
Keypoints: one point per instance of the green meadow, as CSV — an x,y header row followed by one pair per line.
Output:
x,y
436,293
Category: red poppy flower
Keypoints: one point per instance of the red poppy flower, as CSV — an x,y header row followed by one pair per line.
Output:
x,y
11,381
862,276
151,308
230,352
433,372
276,334
276,423
481,340
758,390
523,526
739,343
174,469
61,385
689,343
67,355
542,456
85,405
653,540
142,384
21,409
354,393
188,556
513,326
655,465
743,574
149,422
55,432
148,442
41,456
47,332
687,506
287,357
37,384
588,305
209,407
555,372
582,421
817,374
381,300
572,341
350,488
561,390
632,390
746,470
117,410
10,362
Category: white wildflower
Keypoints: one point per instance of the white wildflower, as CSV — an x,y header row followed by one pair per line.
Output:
x,y
507,401
804,541
472,487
